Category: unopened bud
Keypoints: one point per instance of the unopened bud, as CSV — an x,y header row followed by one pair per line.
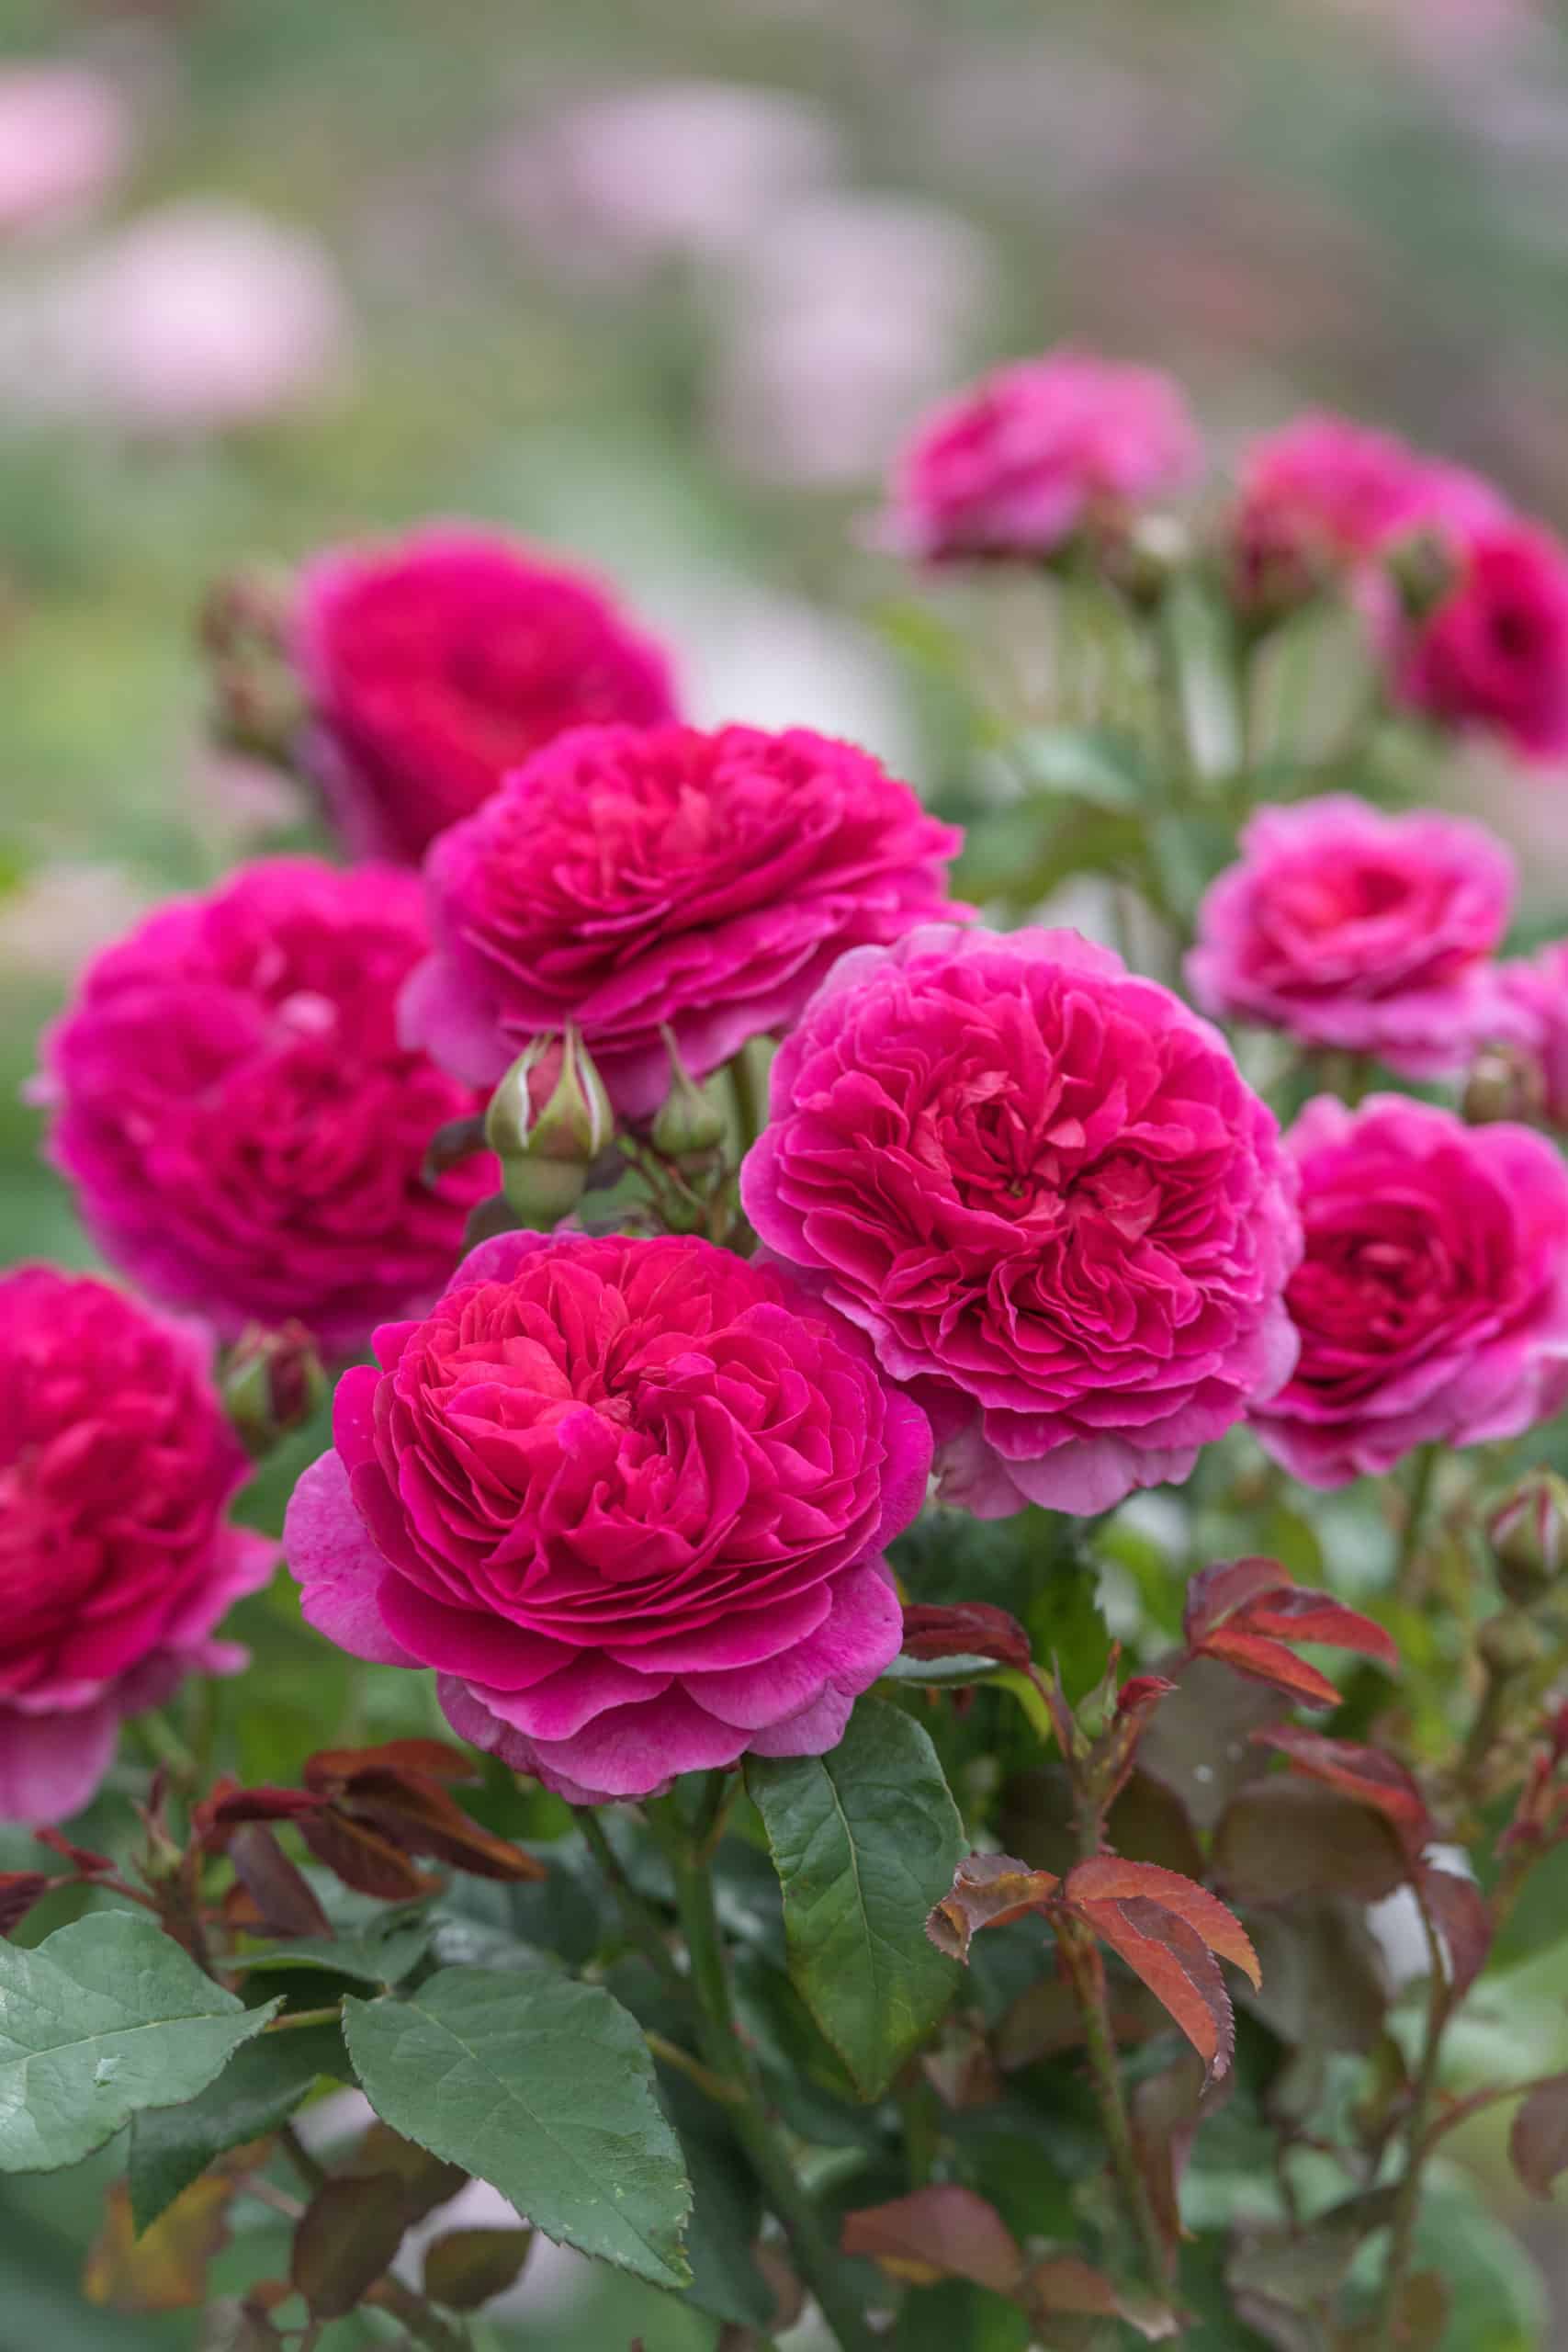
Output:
x,y
1422,571
1506,1082
1143,554
1509,1644
689,1125
1528,1532
549,1121
273,1382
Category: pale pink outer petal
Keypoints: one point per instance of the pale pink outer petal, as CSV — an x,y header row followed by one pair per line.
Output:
x,y
338,1568
51,1766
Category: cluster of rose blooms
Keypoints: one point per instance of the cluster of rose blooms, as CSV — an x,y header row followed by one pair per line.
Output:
x,y
1024,1223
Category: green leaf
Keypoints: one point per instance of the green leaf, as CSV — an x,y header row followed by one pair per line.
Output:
x,y
865,1841
942,1673
257,2091
382,1953
1089,763
544,2088
106,2017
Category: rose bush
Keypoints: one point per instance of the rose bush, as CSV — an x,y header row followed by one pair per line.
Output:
x,y
1042,1187
634,881
629,1497
244,1134
433,666
117,1561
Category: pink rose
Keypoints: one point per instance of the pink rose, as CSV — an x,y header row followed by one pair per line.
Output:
x,y
245,1132
1493,652
1042,1187
1324,495
626,879
1536,991
629,1498
1015,465
115,1562
433,666
1345,927
1432,1301
65,140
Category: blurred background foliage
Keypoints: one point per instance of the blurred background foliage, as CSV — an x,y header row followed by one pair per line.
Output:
x,y
661,283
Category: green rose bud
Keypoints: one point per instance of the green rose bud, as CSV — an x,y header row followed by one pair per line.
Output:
x,y
548,1120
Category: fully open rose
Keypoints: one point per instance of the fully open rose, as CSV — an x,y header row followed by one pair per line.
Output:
x,y
627,879
1042,1188
435,666
1349,928
115,1561
629,1497
244,1132
1432,1301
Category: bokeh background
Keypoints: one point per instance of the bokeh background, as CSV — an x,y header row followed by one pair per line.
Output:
x,y
661,283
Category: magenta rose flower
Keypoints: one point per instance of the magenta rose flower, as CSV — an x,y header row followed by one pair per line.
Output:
x,y
435,666
116,1560
1536,991
1493,652
1042,1189
632,879
1349,928
1432,1301
629,1498
1324,495
244,1132
1014,465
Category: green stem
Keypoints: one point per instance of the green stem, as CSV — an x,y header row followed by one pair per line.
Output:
x,y
1086,1974
1408,2198
1408,1566
414,2315
750,1110
163,1747
641,1924
726,2054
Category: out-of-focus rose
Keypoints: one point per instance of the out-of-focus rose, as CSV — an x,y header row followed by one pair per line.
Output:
x,y
1349,928
1536,989
1493,653
1015,466
1042,1187
200,316
116,1560
64,139
629,1497
1324,495
243,1131
435,666
632,879
1432,1301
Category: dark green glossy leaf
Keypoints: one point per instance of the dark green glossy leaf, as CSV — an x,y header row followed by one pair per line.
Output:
x,y
258,2090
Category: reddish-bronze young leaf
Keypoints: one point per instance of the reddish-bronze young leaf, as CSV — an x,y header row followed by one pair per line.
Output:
x,y
968,1629
1463,1917
1296,1614
1215,1592
943,2232
1107,1878
1246,1612
1366,1773
1176,1964
1140,1693
352,2228
1270,1661
20,1890
163,2268
464,2269
1537,2142
427,1759
263,1804
365,1861
82,1858
1164,2111
987,1890
1065,2284
423,1818
284,1902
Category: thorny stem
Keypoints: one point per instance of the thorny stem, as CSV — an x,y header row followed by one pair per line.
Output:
x,y
1416,2143
1408,1566
727,2055
1086,1974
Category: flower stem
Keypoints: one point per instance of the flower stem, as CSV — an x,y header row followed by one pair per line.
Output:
x,y
1086,1974
643,1927
1418,2143
751,1109
726,2054
1407,1568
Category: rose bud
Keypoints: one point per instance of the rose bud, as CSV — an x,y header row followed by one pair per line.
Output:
x,y
549,1121
273,1382
1527,1535
688,1123
1506,1082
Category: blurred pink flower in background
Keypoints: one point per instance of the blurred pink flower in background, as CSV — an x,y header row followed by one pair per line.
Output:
x,y
628,177
1493,652
65,140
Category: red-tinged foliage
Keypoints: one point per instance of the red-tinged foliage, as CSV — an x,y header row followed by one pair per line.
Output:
x,y
263,1805
987,1890
425,1759
368,1863
1177,1967
396,1793
1368,1774
283,1900
1540,1816
1246,1612
20,1890
1107,1879
82,1858
1538,2143
969,1629
1140,1693
1064,2285
941,2233
1164,2111
1463,1917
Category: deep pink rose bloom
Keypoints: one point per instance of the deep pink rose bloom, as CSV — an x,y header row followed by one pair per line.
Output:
x,y
1042,1187
115,1561
629,1498
244,1132
435,666
1345,927
1015,465
1432,1301
1324,495
629,878
1493,652
1536,990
